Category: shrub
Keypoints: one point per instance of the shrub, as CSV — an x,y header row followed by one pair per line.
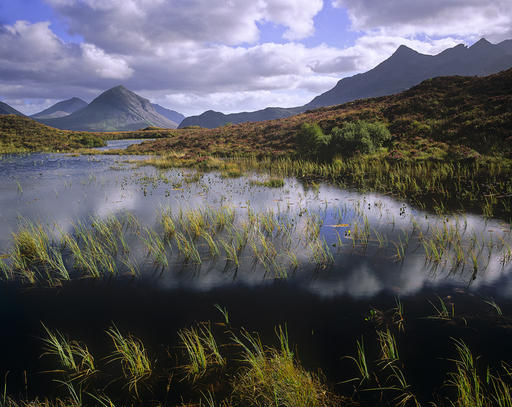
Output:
x,y
311,140
88,140
358,137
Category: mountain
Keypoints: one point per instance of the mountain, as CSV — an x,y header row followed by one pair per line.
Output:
x,y
443,115
404,69
117,109
6,109
61,109
172,115
212,119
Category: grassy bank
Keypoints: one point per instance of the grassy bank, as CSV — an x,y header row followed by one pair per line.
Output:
x,y
20,134
482,186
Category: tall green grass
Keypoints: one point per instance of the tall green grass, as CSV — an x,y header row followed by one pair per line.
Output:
x,y
132,355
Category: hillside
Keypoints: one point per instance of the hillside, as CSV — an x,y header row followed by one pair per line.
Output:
x,y
445,112
116,109
212,119
402,70
172,115
6,109
61,109
406,68
22,134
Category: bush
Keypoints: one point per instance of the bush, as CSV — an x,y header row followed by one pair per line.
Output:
x,y
351,138
358,137
311,140
90,141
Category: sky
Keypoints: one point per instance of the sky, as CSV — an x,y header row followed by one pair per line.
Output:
x,y
225,55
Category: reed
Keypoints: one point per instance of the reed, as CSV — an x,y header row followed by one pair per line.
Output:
x,y
74,357
132,355
361,364
201,350
273,378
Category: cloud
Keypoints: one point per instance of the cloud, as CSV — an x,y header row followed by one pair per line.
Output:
x,y
460,18
33,52
210,71
227,102
105,66
370,50
196,53
142,26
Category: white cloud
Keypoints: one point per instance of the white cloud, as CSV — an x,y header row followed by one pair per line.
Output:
x,y
231,102
205,54
142,26
460,18
106,66
33,51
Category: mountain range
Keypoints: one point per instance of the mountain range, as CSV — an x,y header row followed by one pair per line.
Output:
x,y
61,109
172,115
404,69
117,109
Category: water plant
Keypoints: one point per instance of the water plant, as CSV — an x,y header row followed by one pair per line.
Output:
x,y
132,355
201,350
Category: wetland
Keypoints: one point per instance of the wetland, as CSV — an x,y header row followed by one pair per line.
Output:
x,y
124,283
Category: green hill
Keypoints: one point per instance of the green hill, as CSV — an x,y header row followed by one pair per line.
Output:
x,y
22,134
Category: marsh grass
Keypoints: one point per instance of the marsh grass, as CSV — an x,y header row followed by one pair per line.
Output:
x,y
360,363
269,183
201,349
442,311
273,377
460,184
495,306
73,356
276,243
132,355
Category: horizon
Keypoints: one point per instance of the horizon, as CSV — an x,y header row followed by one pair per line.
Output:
x,y
232,58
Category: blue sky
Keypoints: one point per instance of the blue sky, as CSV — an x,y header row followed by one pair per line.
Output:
x,y
227,55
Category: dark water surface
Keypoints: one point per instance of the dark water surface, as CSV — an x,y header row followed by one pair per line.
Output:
x,y
324,308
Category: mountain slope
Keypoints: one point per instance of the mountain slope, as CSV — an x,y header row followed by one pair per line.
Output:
x,y
453,112
116,109
6,109
212,119
404,69
172,115
61,109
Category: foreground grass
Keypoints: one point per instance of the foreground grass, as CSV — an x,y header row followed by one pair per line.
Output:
x,y
237,369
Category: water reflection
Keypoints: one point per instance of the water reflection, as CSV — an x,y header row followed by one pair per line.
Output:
x,y
377,244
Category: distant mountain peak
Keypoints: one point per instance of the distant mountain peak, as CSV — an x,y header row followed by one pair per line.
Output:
x,y
61,109
116,109
119,87
405,50
481,43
